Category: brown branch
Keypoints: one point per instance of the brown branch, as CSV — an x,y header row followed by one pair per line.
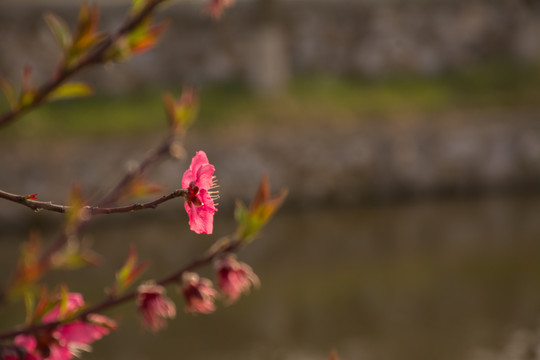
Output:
x,y
92,210
96,56
161,152
111,302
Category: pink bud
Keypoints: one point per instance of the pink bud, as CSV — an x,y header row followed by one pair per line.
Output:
x,y
154,306
234,277
199,294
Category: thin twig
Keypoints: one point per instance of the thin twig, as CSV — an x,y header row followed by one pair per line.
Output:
x,y
92,210
162,151
111,302
96,56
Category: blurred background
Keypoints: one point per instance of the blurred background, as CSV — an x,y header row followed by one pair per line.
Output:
x,y
407,133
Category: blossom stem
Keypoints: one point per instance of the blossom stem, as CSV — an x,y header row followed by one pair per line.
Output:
x,y
93,210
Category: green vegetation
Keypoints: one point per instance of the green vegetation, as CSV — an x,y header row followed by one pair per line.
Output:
x,y
308,98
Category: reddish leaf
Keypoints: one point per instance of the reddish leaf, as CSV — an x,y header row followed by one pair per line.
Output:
x,y
87,22
251,220
130,271
145,37
29,269
216,7
182,112
86,33
333,355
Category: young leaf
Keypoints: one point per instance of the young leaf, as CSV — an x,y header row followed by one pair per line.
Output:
x,y
140,188
27,98
70,90
86,23
333,355
60,30
263,204
144,37
29,269
75,254
29,305
63,301
182,112
44,304
215,8
9,92
250,221
129,272
28,93
137,5
76,211
86,34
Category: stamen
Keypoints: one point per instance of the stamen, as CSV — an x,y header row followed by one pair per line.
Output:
x,y
213,191
214,182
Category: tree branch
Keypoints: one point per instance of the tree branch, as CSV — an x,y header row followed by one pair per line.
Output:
x,y
110,302
92,210
94,57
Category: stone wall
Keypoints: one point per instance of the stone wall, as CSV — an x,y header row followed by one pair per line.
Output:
x,y
337,37
322,164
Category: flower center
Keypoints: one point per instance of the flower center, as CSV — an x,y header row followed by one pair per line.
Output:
x,y
191,196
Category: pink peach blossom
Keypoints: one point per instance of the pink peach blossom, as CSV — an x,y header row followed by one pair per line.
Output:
x,y
234,277
65,341
154,306
199,294
198,181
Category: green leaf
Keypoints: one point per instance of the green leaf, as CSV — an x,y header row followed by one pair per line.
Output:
x,y
27,98
60,30
263,206
137,5
86,36
144,37
130,271
182,112
70,90
75,254
29,305
87,22
9,92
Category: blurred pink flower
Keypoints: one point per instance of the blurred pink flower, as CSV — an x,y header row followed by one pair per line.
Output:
x,y
234,277
216,7
198,180
199,294
154,306
66,340
74,302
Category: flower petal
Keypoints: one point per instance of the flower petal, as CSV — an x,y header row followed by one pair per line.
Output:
x,y
74,302
26,341
200,172
80,332
201,218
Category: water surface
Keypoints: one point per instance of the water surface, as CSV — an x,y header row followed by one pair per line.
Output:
x,y
447,279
